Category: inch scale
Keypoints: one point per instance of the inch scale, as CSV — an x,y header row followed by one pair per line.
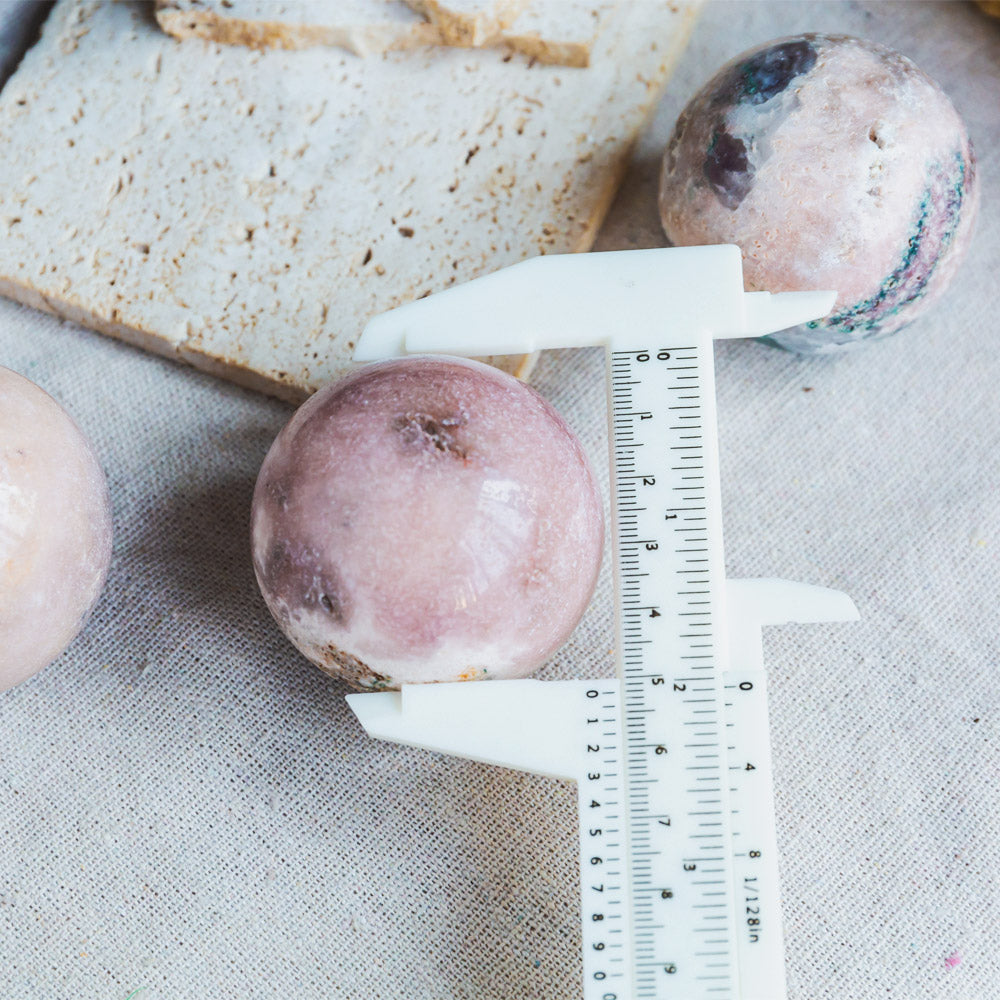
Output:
x,y
678,860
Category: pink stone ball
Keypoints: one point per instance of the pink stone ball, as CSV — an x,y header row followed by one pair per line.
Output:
x,y
55,529
833,163
426,519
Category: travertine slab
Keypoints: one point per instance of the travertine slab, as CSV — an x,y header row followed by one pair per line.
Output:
x,y
248,211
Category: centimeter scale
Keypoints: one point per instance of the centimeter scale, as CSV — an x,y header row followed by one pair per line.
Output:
x,y
678,865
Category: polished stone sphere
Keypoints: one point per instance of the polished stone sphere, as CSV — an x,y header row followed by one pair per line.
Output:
x,y
426,519
833,163
55,529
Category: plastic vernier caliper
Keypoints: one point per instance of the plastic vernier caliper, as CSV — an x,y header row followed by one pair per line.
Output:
x,y
679,868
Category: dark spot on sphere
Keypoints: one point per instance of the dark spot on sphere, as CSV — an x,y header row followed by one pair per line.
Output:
x,y
727,168
325,593
296,576
425,432
767,73
277,492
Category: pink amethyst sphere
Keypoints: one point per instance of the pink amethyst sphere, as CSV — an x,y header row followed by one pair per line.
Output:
x,y
426,519
833,163
55,529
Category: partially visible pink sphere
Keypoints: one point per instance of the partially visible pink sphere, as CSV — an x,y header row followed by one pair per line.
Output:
x,y
426,519
55,529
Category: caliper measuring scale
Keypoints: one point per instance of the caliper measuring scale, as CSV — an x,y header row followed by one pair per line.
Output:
x,y
678,858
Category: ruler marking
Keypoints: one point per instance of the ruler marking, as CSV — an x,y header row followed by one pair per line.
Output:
x,y
692,565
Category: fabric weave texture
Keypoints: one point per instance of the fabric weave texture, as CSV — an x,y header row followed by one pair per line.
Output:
x,y
188,808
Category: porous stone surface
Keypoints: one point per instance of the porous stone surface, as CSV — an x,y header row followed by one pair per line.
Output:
x,y
55,529
426,519
834,163
249,211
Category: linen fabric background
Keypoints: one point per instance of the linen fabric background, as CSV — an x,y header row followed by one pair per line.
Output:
x,y
189,810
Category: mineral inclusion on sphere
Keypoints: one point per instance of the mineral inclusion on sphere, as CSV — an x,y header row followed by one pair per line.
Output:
x,y
831,162
427,519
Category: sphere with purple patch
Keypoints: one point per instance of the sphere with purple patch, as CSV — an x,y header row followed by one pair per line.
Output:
x,y
427,519
833,163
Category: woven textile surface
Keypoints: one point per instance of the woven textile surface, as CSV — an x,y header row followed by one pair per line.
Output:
x,y
189,810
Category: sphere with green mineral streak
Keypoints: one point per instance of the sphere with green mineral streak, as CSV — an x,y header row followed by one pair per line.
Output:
x,y
833,163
